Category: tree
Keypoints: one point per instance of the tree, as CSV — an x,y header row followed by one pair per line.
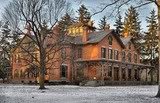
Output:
x,y
132,24
7,42
103,23
32,14
151,40
119,25
151,37
84,15
119,4
65,21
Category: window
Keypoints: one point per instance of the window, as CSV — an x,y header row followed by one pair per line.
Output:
x,y
135,58
110,39
123,56
103,52
116,55
110,54
129,46
79,52
64,71
129,57
110,71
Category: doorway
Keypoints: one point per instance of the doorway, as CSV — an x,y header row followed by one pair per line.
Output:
x,y
64,69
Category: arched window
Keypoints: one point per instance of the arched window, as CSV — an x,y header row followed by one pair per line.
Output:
x,y
110,39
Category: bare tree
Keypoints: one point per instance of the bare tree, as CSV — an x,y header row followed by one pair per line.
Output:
x,y
119,4
33,14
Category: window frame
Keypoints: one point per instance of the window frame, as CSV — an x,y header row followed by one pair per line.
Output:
x,y
135,58
116,55
103,52
123,56
129,57
110,53
110,40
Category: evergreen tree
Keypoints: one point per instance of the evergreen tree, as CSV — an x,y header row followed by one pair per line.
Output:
x,y
65,21
103,23
8,41
84,15
132,24
151,37
119,25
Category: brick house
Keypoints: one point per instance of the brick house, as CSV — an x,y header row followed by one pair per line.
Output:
x,y
88,55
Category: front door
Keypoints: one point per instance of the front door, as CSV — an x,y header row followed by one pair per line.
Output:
x,y
92,73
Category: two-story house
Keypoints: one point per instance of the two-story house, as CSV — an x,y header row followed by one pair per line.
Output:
x,y
86,55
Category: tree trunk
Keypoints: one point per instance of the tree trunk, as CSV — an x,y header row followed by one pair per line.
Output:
x,y
158,94
42,69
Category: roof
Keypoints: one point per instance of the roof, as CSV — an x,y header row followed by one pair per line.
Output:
x,y
93,37
126,40
96,37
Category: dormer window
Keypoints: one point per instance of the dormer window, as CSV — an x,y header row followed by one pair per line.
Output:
x,y
110,39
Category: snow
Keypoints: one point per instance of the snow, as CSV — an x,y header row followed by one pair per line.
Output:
x,y
77,94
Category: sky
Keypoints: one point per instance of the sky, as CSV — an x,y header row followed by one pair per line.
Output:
x,y
94,5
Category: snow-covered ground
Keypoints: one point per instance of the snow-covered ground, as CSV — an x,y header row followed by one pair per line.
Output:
x,y
76,94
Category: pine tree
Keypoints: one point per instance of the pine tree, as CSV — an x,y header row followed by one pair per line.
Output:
x,y
119,25
103,23
84,15
8,41
65,21
132,24
151,37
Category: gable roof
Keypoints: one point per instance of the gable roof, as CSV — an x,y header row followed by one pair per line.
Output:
x,y
96,37
126,40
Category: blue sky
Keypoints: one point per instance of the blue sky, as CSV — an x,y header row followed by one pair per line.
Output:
x,y
94,5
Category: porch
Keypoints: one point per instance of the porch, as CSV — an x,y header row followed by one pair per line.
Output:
x,y
110,72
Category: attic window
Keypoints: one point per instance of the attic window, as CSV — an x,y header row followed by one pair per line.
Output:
x,y
110,39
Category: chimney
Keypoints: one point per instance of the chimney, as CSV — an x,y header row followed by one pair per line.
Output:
x,y
28,29
85,34
107,27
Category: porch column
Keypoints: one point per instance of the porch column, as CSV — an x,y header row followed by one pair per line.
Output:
x,y
132,73
102,71
146,75
126,72
120,72
112,66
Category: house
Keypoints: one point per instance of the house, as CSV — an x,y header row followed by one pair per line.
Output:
x,y
86,55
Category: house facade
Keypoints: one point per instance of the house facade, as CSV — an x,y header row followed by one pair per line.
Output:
x,y
87,55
